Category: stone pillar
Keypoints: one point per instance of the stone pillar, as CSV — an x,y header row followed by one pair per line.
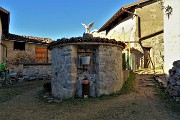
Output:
x,y
1,51
109,69
171,33
64,71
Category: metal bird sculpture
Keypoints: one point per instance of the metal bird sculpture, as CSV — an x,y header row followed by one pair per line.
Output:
x,y
87,27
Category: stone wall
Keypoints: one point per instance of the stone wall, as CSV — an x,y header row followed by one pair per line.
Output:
x,y
64,71
109,69
173,86
104,72
151,21
126,74
36,71
107,78
156,44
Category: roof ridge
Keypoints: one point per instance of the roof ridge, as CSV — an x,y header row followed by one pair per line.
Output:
x,y
24,38
4,10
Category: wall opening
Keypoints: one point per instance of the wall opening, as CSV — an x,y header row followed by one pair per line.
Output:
x,y
19,46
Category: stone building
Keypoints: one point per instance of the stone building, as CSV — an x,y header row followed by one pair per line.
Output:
x,y
104,70
140,26
18,51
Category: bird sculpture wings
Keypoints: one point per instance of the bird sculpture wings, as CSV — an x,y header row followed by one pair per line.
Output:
x,y
87,27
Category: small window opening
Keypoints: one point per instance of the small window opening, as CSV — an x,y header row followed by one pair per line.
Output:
x,y
19,45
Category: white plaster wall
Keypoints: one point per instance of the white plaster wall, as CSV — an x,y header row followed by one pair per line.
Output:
x,y
0,40
124,31
171,34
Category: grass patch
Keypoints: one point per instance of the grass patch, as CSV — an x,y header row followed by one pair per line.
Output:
x,y
129,84
160,93
46,97
174,106
128,87
9,92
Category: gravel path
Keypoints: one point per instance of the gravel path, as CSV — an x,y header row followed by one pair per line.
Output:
x,y
142,104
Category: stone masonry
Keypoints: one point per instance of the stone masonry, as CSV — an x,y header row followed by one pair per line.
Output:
x,y
104,72
110,69
36,71
107,77
64,71
173,86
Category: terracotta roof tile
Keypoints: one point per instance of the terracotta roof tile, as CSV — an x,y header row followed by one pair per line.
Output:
x,y
120,12
85,40
31,39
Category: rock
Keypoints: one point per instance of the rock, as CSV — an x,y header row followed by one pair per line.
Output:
x,y
150,84
173,87
176,76
178,82
50,101
177,99
176,64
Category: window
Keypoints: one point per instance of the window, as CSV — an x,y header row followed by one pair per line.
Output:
x,y
19,45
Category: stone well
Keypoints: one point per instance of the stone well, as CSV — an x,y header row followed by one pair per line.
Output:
x,y
104,70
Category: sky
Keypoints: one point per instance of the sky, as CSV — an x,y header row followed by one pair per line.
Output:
x,y
58,19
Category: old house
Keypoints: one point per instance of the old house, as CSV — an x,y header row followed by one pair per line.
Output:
x,y
140,25
24,54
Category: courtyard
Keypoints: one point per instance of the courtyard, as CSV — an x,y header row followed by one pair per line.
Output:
x,y
24,102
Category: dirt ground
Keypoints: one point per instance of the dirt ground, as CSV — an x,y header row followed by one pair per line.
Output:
x,y
142,104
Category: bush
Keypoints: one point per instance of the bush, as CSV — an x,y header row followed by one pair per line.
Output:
x,y
129,84
47,86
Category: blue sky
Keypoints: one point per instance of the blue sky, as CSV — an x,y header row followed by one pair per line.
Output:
x,y
56,19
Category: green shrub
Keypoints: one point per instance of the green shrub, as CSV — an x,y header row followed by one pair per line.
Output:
x,y
129,84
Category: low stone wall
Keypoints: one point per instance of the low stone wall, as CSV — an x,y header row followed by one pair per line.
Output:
x,y
126,74
173,85
37,71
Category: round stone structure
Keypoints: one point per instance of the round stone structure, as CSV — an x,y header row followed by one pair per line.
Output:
x,y
103,71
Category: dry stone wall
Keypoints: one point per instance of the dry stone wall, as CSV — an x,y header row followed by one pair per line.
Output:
x,y
173,86
36,71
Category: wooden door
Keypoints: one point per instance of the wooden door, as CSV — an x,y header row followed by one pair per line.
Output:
x,y
41,55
